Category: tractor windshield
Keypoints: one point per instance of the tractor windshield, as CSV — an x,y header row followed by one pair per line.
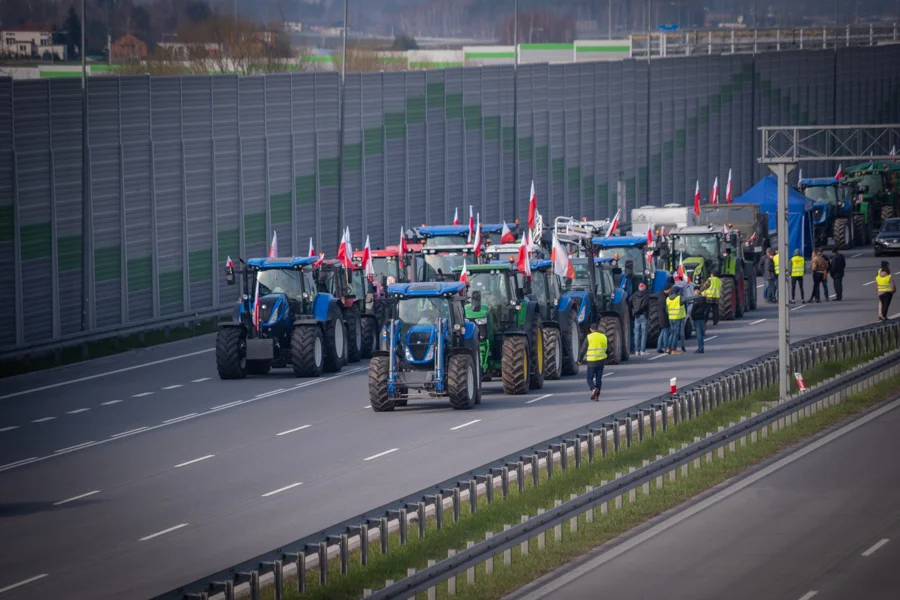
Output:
x,y
705,246
281,281
439,267
873,180
582,278
632,253
492,286
422,311
822,193
446,240
387,266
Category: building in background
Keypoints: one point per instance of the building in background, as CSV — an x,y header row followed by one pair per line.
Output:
x,y
128,48
30,41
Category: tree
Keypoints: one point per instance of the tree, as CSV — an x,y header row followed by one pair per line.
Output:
x,y
72,29
404,42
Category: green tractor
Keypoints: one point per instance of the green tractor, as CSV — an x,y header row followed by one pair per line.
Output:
x,y
510,329
876,184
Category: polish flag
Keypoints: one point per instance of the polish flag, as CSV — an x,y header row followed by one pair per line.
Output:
x,y
650,233
893,150
312,250
560,258
840,172
714,196
256,306
681,265
403,247
464,274
476,242
800,176
456,216
613,226
273,249
506,236
229,264
523,261
725,229
471,225
728,188
319,262
532,207
662,231
368,263
342,253
697,200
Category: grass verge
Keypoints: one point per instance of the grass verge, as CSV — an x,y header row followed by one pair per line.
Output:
x,y
617,520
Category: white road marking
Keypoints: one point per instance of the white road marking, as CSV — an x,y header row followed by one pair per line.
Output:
x,y
712,337
130,432
894,316
294,429
75,447
201,380
759,286
538,398
110,403
270,393
172,387
142,394
367,406
10,428
229,405
163,532
659,356
808,595
757,322
279,490
380,454
73,499
605,375
464,425
18,463
43,420
78,410
875,547
869,282
89,377
196,460
799,307
21,583
856,255
181,418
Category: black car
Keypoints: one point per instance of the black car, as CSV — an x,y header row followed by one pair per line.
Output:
x,y
888,238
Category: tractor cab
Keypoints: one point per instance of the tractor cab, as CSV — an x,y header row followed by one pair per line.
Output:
x,y
630,263
444,248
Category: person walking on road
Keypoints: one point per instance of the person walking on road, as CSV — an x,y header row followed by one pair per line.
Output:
x,y
798,267
698,316
819,268
677,315
769,276
640,309
836,267
662,343
593,352
886,290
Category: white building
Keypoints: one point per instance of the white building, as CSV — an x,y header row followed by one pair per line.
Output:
x,y
29,41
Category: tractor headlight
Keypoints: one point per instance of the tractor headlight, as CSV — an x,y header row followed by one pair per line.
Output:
x,y
276,314
430,354
407,354
582,313
481,321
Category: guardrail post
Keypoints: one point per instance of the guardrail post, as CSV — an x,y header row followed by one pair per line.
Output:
x,y
383,533
432,591
563,455
470,572
591,440
301,572
557,529
520,476
404,524
541,538
489,487
507,554
672,472
456,504
363,531
616,436
697,460
438,500
278,573
655,407
345,554
489,561
665,414
629,430
721,449
549,460
451,582
604,442
535,470
589,513
676,411
473,496
323,563
504,481
573,522
523,547
632,493
644,412
576,445
420,517
604,508
659,478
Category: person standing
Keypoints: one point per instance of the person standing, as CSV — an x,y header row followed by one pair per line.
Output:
x,y
775,260
698,315
798,267
837,265
640,308
687,299
819,268
712,291
886,290
677,315
662,343
593,352
769,275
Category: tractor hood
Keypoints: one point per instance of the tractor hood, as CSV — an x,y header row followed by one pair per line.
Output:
x,y
820,213
692,264
580,299
420,344
272,309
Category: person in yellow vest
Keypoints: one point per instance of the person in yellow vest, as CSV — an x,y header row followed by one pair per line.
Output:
x,y
712,291
798,267
886,290
677,314
593,352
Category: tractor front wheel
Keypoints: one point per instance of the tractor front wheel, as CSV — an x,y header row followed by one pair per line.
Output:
x,y
515,365
552,353
369,330
727,300
231,353
611,327
354,336
538,357
462,382
307,351
573,342
841,231
335,345
379,398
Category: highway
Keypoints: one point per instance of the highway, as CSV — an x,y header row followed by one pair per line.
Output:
x,y
821,523
129,475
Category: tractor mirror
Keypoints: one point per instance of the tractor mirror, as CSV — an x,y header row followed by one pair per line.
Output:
x,y
476,300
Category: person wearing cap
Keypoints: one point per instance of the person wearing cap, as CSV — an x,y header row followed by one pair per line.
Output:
x,y
593,352
640,310
798,268
886,290
677,316
662,309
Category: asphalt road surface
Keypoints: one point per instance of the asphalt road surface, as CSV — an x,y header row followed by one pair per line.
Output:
x,y
822,523
130,475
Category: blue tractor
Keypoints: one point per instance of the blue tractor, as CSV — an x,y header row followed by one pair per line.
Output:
x,y
836,212
428,346
559,318
281,320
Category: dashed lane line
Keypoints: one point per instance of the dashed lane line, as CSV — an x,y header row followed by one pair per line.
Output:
x,y
809,595
142,394
539,398
10,428
110,403
201,380
74,498
43,419
172,387
279,490
21,583
380,454
163,532
757,322
129,432
465,424
77,410
18,463
302,427
181,418
75,447
196,460
875,547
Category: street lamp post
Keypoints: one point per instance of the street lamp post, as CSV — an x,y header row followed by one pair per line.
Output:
x,y
85,181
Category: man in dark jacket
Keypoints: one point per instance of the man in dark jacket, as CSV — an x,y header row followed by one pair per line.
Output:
x,y
837,265
640,312
663,314
769,278
698,316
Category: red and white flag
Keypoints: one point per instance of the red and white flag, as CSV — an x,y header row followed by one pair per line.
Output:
x,y
562,266
368,263
273,249
319,262
893,150
456,216
680,271
714,195
532,207
697,200
312,250
229,264
728,188
523,261
464,274
613,226
725,229
840,172
506,236
471,225
256,306
343,252
403,247
662,231
650,233
476,240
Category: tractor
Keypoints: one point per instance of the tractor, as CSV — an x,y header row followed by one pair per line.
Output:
x,y
282,320
510,329
372,299
750,221
335,279
428,346
701,249
444,247
876,187
559,316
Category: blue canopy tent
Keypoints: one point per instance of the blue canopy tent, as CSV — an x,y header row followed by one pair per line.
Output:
x,y
800,225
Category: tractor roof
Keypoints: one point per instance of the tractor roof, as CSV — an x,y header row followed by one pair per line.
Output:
x,y
425,290
432,230
873,167
541,264
389,252
290,262
463,248
620,242
513,247
696,230
819,182
496,265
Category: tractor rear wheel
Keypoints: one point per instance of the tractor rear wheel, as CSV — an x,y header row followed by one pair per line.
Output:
x,y
231,353
573,342
379,397
841,231
335,345
740,295
611,327
888,212
753,293
369,330
516,365
307,351
462,382
653,321
538,357
726,300
552,353
354,335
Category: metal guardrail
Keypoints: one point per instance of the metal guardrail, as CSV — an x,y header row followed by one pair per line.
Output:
x,y
623,428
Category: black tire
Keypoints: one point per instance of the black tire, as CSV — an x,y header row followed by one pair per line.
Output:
x,y
626,338
887,212
726,300
369,330
516,365
354,335
841,233
740,296
553,359
572,346
335,345
753,293
231,353
653,321
379,397
259,367
307,351
613,330
859,234
462,381
538,356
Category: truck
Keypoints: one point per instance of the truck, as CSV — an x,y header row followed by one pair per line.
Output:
x,y
669,216
427,346
749,220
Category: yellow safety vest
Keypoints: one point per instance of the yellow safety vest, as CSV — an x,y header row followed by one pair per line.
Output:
x,y
775,260
798,265
596,350
676,308
884,283
714,291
